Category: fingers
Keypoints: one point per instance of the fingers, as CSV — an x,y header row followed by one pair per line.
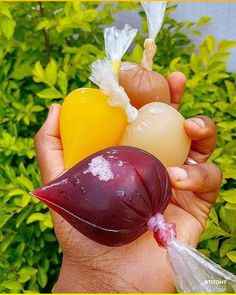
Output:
x,y
202,131
204,179
48,146
176,81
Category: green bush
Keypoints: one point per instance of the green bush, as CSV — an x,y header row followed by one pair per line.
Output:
x,y
45,52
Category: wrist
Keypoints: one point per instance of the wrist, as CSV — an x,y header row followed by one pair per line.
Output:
x,y
79,277
148,272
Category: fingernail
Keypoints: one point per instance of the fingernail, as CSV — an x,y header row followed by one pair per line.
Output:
x,y
180,173
199,122
50,110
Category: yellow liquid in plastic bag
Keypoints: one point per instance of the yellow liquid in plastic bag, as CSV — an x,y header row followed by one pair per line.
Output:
x,y
88,124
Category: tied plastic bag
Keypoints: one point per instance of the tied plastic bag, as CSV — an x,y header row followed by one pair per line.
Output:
x,y
141,83
117,43
104,76
155,12
193,272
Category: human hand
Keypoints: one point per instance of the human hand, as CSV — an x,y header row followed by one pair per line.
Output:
x,y
140,266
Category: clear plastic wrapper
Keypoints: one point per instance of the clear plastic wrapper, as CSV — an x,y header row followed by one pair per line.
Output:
x,y
103,75
155,12
117,43
193,272
139,81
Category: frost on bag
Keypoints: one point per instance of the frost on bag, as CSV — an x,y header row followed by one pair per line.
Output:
x,y
193,272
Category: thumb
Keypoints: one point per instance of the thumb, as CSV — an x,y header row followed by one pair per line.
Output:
x,y
48,146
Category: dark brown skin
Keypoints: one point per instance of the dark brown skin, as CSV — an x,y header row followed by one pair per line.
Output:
x,y
143,86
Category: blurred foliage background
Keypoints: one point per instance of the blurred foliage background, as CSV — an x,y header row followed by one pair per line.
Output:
x,y
45,52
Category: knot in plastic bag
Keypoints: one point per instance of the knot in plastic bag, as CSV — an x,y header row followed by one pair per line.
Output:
x,y
164,233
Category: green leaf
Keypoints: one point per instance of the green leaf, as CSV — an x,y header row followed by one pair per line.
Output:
x,y
230,206
229,196
45,24
227,246
51,73
226,44
27,183
16,192
7,242
50,93
37,108
12,285
231,90
217,67
210,43
4,219
204,20
62,82
26,273
205,252
232,256
229,172
47,222
38,72
213,231
35,217
228,217
1,236
214,77
195,32
195,63
23,200
137,54
213,245
23,215
22,71
204,55
42,277
6,12
213,215
7,26
218,56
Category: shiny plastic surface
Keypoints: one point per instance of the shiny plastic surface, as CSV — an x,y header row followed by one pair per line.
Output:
x,y
143,86
88,124
159,130
195,273
110,196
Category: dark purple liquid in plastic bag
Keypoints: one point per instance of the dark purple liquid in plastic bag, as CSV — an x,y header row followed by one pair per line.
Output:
x,y
110,196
